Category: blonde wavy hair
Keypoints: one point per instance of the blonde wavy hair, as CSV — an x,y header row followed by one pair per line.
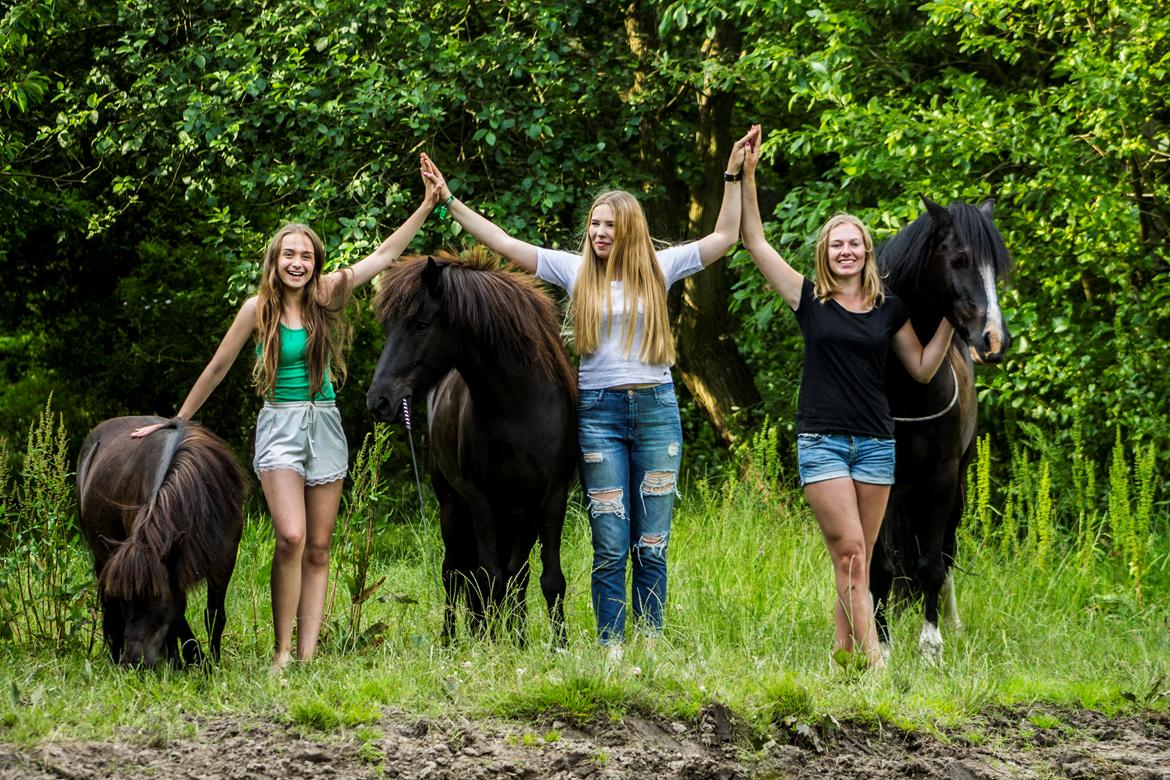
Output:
x,y
633,262
872,290
326,330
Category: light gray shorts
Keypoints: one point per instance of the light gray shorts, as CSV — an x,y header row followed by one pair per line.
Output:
x,y
303,436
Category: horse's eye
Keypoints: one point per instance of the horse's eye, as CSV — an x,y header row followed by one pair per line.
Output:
x,y
960,260
419,326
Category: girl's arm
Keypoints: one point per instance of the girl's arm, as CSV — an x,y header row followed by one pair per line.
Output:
x,y
388,251
229,349
923,361
726,232
785,279
485,231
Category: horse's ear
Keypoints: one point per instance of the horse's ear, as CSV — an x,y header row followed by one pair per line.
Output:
x,y
431,276
985,208
938,214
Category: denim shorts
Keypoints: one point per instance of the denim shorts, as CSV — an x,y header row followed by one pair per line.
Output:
x,y
305,437
865,459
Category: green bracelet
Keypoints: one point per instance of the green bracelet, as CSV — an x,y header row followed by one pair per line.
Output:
x,y
442,210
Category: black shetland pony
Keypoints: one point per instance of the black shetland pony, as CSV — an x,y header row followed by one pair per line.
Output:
x,y
159,513
502,423
944,264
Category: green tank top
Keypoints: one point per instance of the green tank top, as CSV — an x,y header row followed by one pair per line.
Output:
x,y
292,375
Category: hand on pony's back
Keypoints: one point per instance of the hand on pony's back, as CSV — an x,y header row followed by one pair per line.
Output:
x,y
146,430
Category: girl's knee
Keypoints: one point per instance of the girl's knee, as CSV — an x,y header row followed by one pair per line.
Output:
x,y
317,555
289,541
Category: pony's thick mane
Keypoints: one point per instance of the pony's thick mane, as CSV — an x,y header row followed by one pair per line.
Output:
x,y
181,530
504,310
904,258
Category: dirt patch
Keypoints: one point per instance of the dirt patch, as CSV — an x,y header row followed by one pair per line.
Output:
x,y
1034,743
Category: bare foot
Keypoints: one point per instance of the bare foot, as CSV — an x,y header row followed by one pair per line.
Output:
x,y
280,661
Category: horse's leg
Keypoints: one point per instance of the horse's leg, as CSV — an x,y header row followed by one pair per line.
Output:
x,y
949,605
516,575
113,626
930,569
458,554
215,616
489,574
184,637
881,579
552,576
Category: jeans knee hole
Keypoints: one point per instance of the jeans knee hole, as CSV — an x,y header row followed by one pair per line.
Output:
x,y
602,502
658,483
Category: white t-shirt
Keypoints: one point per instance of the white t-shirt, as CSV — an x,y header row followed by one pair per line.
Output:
x,y
609,366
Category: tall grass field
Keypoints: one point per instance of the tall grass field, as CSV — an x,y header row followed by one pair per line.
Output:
x,y
1062,580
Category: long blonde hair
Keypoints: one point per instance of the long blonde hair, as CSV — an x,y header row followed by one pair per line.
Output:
x,y
872,290
326,331
632,261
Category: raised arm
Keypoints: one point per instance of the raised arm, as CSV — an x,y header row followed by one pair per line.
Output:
x,y
784,279
485,231
726,232
923,361
225,355
389,250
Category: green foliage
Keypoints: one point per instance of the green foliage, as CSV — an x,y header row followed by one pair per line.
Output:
x,y
354,537
45,591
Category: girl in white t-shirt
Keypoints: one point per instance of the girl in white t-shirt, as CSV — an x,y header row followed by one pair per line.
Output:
x,y
628,424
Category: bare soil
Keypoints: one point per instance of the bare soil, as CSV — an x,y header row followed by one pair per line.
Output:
x,y
1077,744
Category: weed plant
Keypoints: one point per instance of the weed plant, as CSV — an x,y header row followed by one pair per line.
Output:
x,y
1060,604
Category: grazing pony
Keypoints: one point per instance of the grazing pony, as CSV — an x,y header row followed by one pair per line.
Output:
x,y
159,513
944,264
502,424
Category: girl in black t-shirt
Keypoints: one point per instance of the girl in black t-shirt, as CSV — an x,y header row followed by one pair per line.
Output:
x,y
844,427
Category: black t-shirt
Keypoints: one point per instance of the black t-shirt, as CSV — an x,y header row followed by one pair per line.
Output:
x,y
843,389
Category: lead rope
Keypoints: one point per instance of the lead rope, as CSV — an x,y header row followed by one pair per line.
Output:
x,y
935,416
413,459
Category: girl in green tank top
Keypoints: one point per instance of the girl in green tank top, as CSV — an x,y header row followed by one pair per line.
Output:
x,y
296,321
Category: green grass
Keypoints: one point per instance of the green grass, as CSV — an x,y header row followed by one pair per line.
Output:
x,y
1051,617
748,625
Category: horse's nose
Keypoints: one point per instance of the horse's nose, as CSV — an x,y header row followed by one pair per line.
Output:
x,y
380,407
992,345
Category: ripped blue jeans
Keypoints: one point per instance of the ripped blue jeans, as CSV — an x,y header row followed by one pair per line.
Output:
x,y
631,450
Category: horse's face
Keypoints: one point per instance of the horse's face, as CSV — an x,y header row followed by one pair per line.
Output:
x,y
418,352
969,284
148,622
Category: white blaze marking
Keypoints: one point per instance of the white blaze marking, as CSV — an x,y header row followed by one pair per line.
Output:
x,y
994,316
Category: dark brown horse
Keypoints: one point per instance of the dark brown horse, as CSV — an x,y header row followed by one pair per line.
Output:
x,y
160,514
502,424
944,264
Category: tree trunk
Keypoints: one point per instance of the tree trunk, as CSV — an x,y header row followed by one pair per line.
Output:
x,y
709,361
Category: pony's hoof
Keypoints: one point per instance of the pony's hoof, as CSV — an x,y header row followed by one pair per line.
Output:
x,y
930,644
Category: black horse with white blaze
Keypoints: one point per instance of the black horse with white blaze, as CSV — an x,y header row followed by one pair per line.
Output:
x,y
944,264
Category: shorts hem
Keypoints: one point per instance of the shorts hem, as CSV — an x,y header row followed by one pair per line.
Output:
x,y
325,480
825,477
279,467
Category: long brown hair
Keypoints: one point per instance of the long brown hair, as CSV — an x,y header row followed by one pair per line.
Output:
x,y
872,290
632,261
326,331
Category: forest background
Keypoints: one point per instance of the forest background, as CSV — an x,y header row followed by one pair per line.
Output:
x,y
149,149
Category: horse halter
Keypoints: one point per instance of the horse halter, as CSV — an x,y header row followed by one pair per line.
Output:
x,y
414,461
936,415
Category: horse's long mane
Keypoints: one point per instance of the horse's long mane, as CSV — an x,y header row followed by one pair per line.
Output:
x,y
180,530
504,310
904,258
